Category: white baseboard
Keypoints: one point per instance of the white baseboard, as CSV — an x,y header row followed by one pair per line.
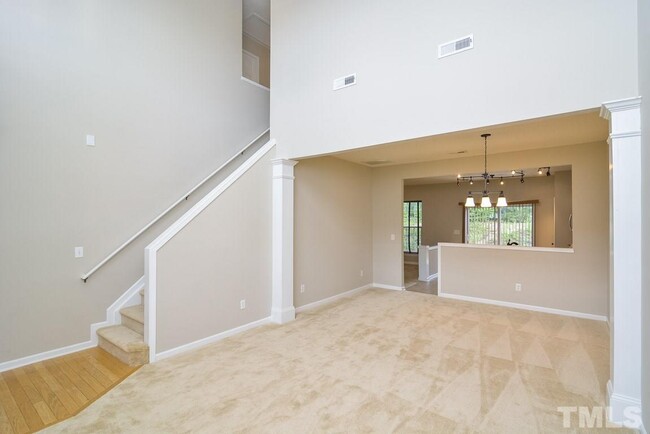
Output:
x,y
35,358
129,298
210,339
391,287
332,298
524,306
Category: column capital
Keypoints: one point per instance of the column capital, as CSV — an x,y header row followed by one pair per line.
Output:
x,y
624,116
283,168
607,108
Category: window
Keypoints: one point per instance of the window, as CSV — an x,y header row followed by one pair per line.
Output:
x,y
499,226
412,225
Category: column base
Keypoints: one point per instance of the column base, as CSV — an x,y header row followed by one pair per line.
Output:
x,y
283,316
623,410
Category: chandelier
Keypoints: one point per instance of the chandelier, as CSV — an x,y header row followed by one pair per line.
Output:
x,y
487,177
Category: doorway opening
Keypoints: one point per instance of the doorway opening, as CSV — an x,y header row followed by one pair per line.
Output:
x,y
256,42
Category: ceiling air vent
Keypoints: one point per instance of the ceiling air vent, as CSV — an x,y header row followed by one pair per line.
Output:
x,y
346,81
456,46
376,162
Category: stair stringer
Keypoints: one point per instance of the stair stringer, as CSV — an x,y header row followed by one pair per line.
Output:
x,y
151,251
130,298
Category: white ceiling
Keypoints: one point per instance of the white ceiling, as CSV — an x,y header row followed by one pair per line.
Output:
x,y
569,129
257,20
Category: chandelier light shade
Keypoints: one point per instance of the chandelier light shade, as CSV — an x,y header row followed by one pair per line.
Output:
x,y
487,176
501,201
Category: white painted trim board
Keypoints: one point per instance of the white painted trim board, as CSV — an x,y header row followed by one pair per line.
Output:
x,y
211,339
391,287
332,299
46,355
130,298
523,306
254,83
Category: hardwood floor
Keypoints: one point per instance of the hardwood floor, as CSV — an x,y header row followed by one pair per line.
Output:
x,y
35,396
411,282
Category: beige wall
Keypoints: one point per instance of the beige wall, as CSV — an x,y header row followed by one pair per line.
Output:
x,y
442,214
644,91
333,228
590,181
551,279
404,91
264,54
159,85
221,257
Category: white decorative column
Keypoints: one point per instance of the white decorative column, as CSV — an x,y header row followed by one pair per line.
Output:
x,y
624,388
282,309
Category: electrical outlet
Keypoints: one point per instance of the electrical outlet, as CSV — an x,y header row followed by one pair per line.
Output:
x,y
242,304
302,288
78,252
518,287
392,237
361,272
90,140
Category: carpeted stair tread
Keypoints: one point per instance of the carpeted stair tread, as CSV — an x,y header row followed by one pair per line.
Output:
x,y
123,338
136,313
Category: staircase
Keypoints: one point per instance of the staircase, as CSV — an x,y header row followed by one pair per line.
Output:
x,y
126,340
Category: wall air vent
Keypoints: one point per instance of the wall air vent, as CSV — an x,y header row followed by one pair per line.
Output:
x,y
456,46
346,81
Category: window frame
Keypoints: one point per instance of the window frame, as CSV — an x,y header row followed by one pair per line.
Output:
x,y
406,229
534,204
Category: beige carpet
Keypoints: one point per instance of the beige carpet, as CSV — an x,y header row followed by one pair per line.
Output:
x,y
381,361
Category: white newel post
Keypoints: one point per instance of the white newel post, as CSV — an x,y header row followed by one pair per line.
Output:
x,y
624,388
282,309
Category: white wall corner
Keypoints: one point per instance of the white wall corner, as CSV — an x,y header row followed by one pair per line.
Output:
x,y
282,309
624,389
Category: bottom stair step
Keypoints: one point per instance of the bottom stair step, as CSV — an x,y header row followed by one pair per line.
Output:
x,y
125,344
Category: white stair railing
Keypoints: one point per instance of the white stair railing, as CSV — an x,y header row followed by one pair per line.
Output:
x,y
85,277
